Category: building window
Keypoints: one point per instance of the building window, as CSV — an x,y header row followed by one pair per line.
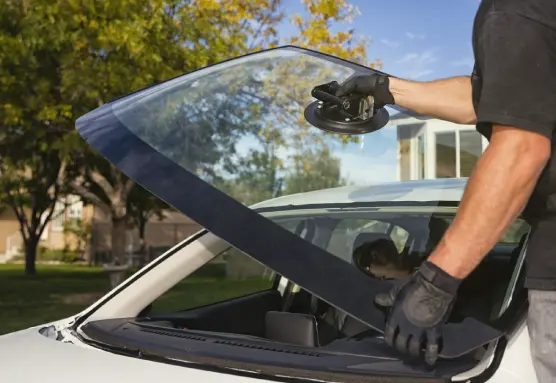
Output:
x,y
66,209
446,155
457,152
75,207
470,148
58,216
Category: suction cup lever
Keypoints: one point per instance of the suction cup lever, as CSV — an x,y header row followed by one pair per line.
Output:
x,y
325,93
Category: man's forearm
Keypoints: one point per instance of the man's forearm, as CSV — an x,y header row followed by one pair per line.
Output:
x,y
497,191
447,99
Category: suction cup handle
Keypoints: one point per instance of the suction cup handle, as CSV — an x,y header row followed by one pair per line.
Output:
x,y
325,93
327,97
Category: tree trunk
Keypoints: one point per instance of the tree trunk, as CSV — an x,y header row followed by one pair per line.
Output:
x,y
31,256
118,241
142,241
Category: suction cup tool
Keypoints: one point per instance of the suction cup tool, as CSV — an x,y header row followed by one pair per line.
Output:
x,y
353,114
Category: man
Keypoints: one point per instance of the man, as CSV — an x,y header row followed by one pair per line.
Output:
x,y
511,97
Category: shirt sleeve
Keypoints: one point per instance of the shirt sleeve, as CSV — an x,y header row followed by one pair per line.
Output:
x,y
516,58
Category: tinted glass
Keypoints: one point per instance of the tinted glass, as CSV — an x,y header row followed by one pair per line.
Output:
x,y
470,149
446,155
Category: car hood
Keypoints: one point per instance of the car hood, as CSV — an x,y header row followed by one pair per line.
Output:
x,y
214,141
27,356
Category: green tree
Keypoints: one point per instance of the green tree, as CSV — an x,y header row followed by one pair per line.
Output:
x,y
33,113
61,59
30,184
313,170
264,173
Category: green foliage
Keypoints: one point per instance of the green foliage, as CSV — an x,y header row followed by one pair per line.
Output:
x,y
210,270
314,170
63,58
143,205
82,233
29,186
59,255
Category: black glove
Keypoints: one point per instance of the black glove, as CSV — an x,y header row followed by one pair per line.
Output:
x,y
419,308
374,85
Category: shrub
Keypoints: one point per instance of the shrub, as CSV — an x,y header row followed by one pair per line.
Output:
x,y
59,255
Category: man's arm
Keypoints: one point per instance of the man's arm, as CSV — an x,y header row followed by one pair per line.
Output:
x,y
517,99
498,189
447,99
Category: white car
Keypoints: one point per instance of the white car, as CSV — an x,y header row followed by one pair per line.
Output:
x,y
310,263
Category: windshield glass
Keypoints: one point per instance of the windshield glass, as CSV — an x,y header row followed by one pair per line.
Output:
x,y
240,126
237,129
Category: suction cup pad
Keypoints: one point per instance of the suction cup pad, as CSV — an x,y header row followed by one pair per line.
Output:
x,y
332,120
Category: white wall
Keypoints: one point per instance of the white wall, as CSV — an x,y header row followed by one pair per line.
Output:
x,y
410,128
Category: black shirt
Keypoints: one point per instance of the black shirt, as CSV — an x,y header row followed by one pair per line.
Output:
x,y
514,84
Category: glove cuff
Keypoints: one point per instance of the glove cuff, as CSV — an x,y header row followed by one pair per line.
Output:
x,y
439,278
383,93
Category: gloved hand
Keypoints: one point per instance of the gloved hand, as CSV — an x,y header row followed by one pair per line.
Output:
x,y
419,308
374,85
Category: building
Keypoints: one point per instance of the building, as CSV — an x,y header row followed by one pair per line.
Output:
x,y
159,234
431,148
53,237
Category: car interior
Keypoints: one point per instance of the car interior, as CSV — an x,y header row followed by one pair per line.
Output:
x,y
294,316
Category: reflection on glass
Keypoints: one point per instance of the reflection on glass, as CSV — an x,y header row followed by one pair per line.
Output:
x,y
446,155
421,157
470,148
343,237
404,147
240,126
412,232
399,236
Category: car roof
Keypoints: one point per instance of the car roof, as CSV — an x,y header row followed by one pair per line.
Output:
x,y
441,190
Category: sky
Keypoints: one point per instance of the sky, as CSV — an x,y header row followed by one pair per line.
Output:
x,y
415,39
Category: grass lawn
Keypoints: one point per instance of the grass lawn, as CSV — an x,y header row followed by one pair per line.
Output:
x,y
61,291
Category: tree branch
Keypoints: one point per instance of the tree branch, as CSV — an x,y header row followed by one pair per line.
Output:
x,y
87,194
102,182
19,212
50,210
128,187
21,218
